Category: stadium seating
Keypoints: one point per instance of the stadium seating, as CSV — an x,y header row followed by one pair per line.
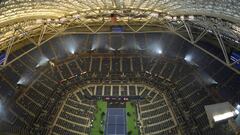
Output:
x,y
118,73
156,116
75,117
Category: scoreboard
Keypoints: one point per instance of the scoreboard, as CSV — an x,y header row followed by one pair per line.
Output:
x,y
2,57
117,29
235,56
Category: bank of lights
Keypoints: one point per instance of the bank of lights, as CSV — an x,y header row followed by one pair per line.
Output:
x,y
224,116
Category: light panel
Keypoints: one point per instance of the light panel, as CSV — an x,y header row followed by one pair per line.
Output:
x,y
223,116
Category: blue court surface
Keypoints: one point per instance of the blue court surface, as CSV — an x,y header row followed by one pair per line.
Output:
x,y
116,122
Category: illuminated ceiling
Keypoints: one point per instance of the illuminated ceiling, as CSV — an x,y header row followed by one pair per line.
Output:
x,y
18,9
40,20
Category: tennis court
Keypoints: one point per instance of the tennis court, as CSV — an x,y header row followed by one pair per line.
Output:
x,y
116,122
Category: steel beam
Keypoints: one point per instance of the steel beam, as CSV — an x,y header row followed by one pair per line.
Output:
x,y
188,29
28,36
171,28
43,30
207,52
9,50
200,36
223,47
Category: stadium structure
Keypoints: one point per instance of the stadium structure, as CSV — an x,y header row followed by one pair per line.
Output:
x,y
119,67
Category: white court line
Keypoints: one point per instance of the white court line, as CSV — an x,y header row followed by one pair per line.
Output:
x,y
115,124
107,121
116,134
117,115
124,122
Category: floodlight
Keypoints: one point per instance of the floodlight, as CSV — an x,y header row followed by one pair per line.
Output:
x,y
72,50
182,17
188,58
238,106
111,49
77,16
72,47
236,112
191,17
159,51
43,61
22,81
